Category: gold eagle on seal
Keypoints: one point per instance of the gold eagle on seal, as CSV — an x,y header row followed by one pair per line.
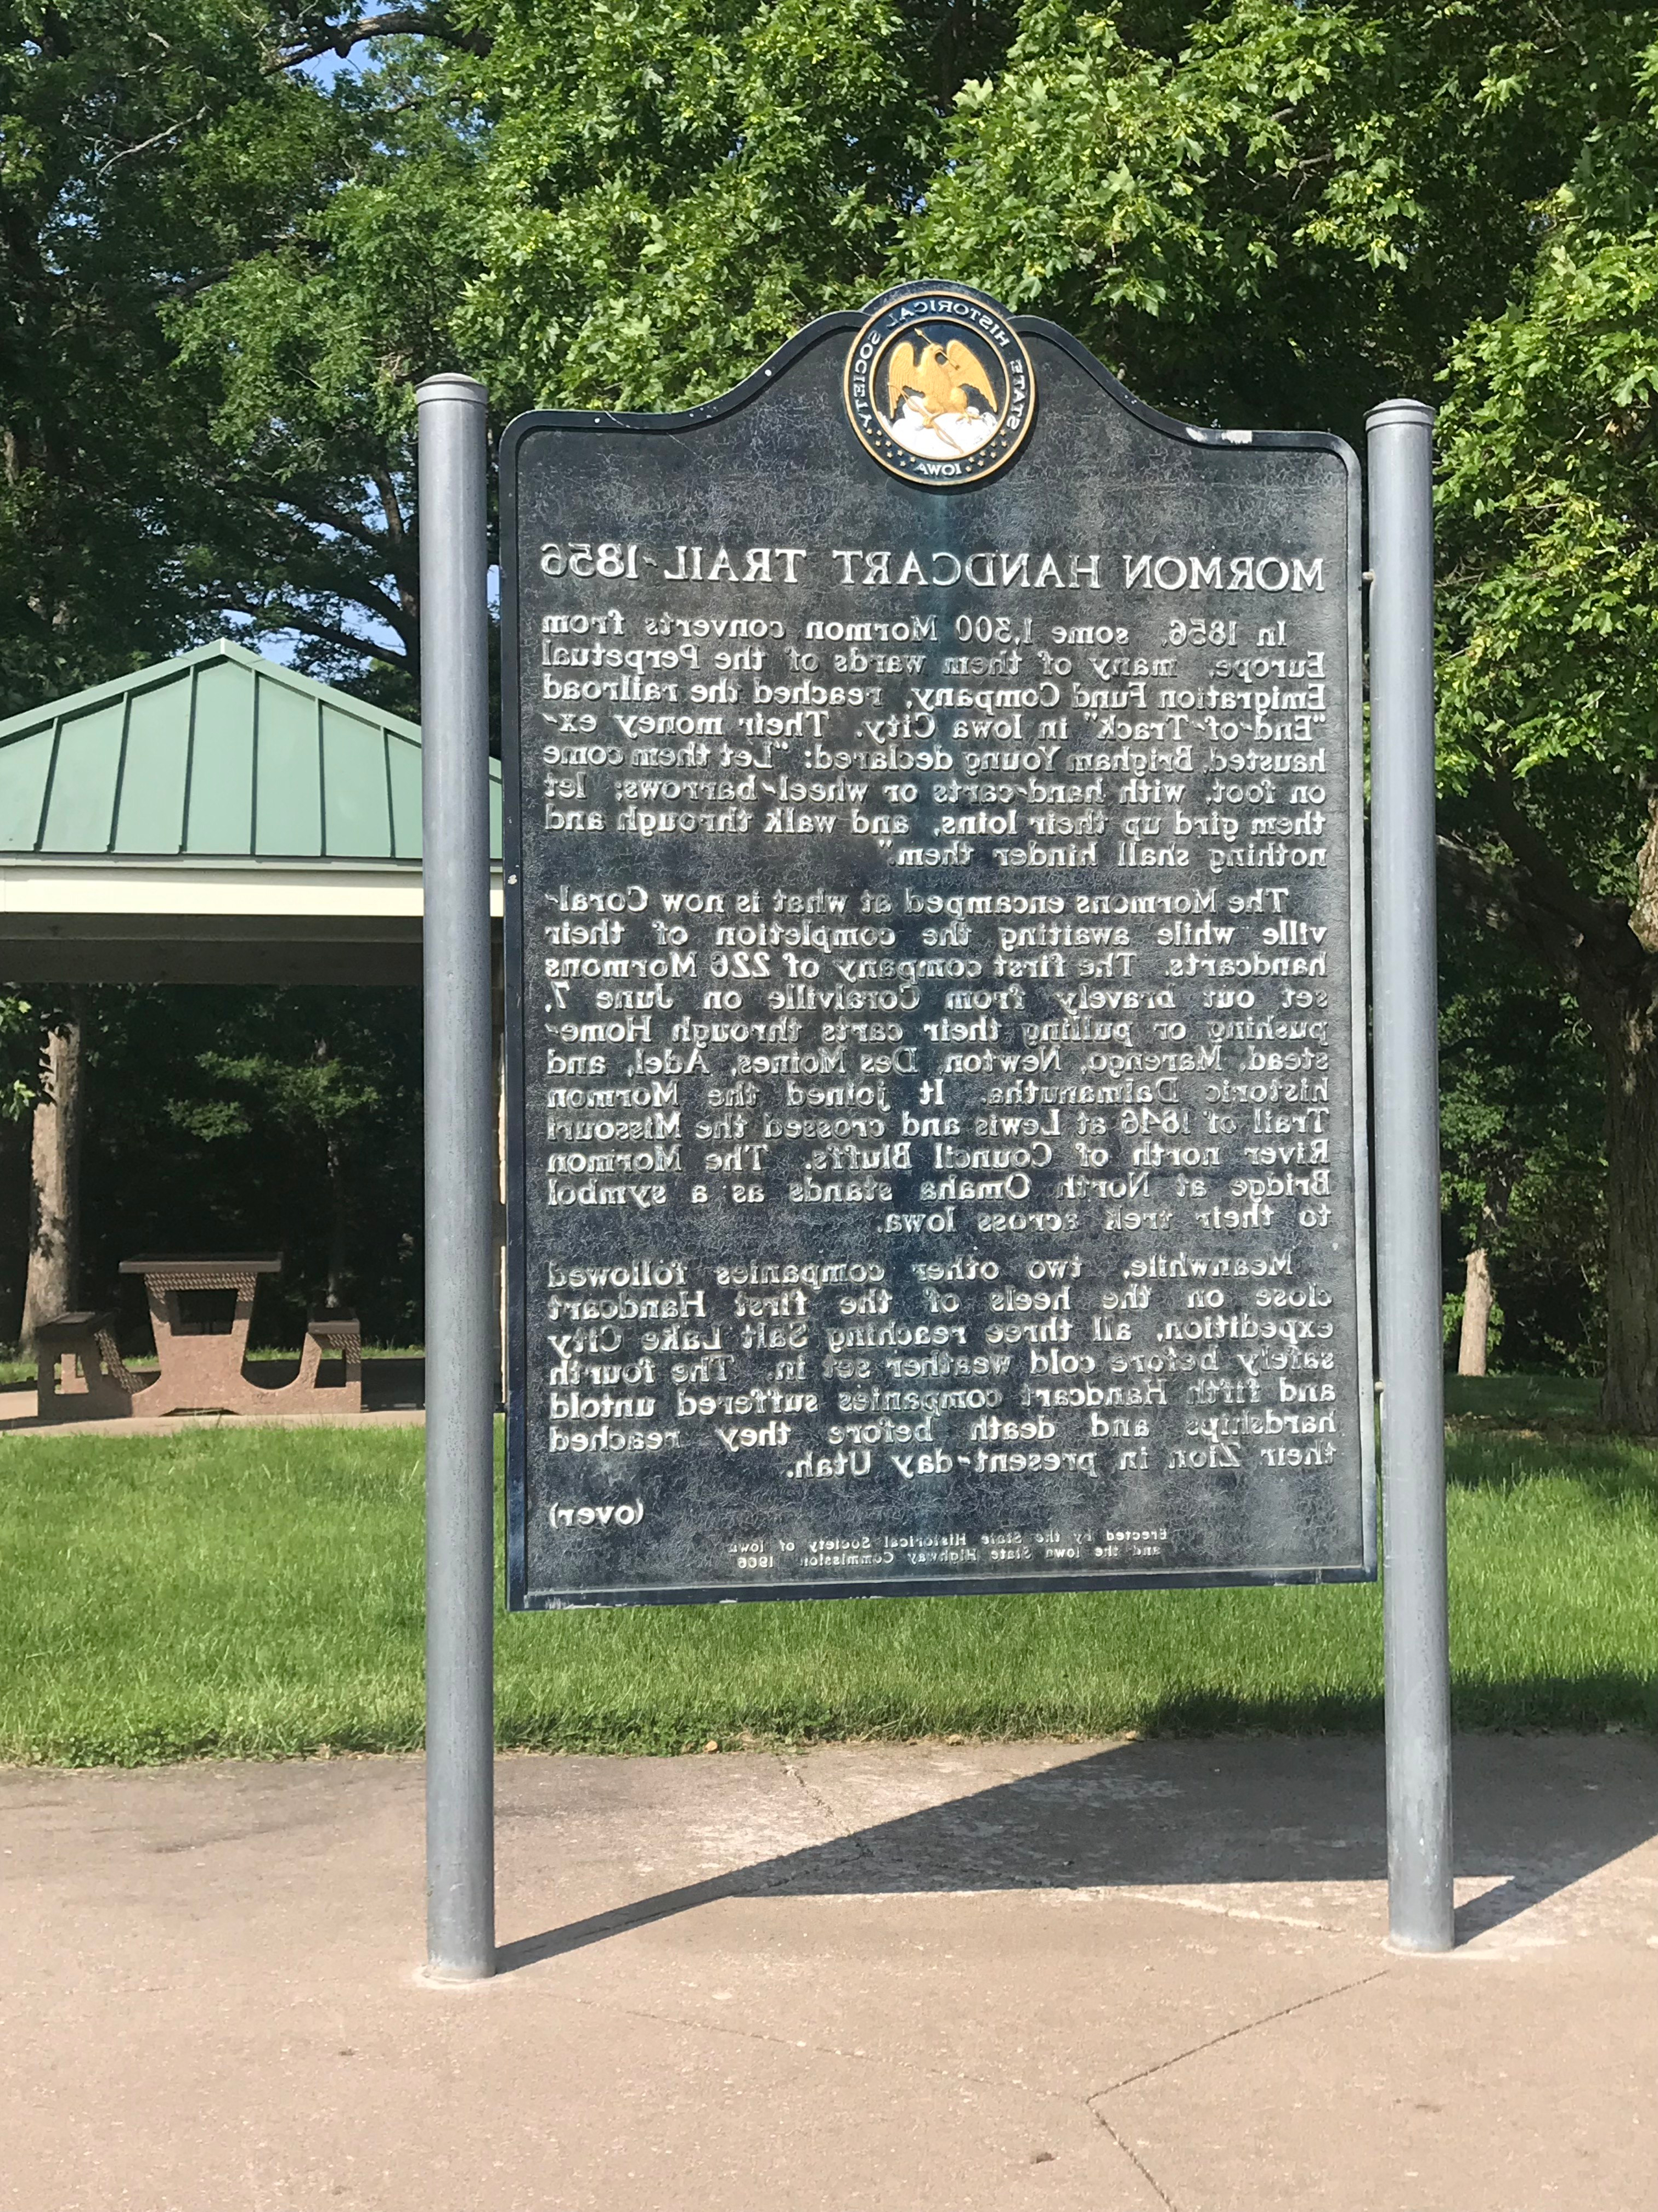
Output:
x,y
938,396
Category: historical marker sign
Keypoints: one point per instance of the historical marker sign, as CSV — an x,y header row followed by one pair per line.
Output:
x,y
935,978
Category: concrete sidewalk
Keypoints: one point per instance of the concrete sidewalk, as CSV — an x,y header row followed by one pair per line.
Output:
x,y
1112,1978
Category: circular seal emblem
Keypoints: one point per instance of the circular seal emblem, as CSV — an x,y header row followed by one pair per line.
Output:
x,y
938,385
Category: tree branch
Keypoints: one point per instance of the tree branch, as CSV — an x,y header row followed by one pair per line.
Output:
x,y
309,625
1643,919
340,519
1485,890
1604,964
401,22
1601,924
395,613
391,505
307,569
126,153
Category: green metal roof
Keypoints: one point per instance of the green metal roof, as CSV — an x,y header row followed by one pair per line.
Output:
x,y
216,755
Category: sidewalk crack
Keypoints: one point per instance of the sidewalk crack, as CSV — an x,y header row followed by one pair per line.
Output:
x,y
1244,2027
1133,2158
857,2056
854,1839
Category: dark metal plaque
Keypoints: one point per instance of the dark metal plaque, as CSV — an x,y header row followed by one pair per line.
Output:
x,y
935,1099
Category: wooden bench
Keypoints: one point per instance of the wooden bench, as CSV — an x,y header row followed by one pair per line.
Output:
x,y
99,1386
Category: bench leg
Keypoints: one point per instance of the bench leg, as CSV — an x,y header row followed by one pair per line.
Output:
x,y
104,1398
305,1394
46,1400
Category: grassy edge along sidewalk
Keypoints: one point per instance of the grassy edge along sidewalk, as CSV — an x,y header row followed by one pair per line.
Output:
x,y
258,1594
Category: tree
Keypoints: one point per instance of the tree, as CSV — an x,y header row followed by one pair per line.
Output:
x,y
1269,212
40,1085
1521,1115
220,279
673,188
1550,706
301,365
121,194
1276,210
43,1054
59,1128
318,1099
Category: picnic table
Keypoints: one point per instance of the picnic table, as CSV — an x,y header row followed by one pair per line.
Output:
x,y
203,1354
200,1365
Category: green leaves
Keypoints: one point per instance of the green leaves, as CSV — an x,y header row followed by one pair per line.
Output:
x,y
227,280
1549,502
124,188
1274,213
20,1057
318,1093
673,189
232,1119
1522,1141
303,362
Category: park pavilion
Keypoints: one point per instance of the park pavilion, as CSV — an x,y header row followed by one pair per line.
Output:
x,y
215,818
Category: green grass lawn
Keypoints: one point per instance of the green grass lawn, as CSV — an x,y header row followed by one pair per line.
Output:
x,y
260,1594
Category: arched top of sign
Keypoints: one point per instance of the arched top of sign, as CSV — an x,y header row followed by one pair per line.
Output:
x,y
907,407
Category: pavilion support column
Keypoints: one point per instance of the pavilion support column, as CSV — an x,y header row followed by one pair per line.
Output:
x,y
54,1254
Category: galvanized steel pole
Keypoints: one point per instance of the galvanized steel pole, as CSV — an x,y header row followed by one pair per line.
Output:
x,y
461,1184
1420,1905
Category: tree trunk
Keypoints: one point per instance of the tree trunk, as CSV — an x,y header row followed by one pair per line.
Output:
x,y
1629,1396
1606,954
338,1225
54,1260
1477,1298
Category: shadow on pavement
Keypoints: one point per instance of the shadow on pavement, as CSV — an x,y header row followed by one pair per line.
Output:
x,y
1155,1815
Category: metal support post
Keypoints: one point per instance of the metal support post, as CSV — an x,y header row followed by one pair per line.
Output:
x,y
1420,1905
461,1184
